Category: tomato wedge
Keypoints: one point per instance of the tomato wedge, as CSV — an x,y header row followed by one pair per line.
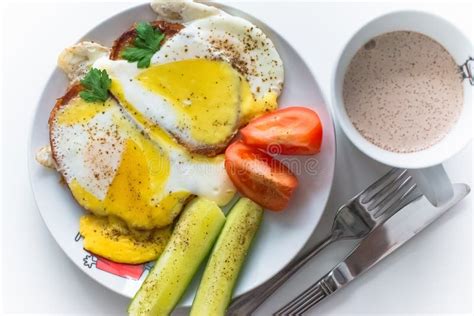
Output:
x,y
259,177
290,131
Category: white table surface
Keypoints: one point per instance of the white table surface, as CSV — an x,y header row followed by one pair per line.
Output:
x,y
430,274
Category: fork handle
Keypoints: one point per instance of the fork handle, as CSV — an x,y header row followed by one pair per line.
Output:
x,y
248,303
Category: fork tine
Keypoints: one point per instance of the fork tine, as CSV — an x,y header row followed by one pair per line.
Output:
x,y
409,196
393,197
381,183
385,194
396,197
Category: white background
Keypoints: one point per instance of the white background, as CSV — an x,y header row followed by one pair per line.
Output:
x,y
430,274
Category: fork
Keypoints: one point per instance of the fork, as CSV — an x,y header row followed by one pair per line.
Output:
x,y
354,220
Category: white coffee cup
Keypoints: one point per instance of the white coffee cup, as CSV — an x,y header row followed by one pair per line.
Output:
x,y
425,165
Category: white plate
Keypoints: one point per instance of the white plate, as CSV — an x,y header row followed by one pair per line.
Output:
x,y
281,236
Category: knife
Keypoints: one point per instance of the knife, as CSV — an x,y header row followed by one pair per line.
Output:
x,y
377,245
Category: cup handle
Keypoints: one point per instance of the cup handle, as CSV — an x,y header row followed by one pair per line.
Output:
x,y
434,183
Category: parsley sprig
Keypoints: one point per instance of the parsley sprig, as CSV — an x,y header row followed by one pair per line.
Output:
x,y
96,84
146,43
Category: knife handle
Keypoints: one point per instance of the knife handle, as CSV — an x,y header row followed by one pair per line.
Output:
x,y
327,285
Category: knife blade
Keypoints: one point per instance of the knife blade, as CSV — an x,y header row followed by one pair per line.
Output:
x,y
376,246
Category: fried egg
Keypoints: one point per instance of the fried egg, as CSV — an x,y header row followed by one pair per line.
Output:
x,y
207,80
113,168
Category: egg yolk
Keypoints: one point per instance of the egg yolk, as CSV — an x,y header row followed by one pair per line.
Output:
x,y
135,194
205,93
